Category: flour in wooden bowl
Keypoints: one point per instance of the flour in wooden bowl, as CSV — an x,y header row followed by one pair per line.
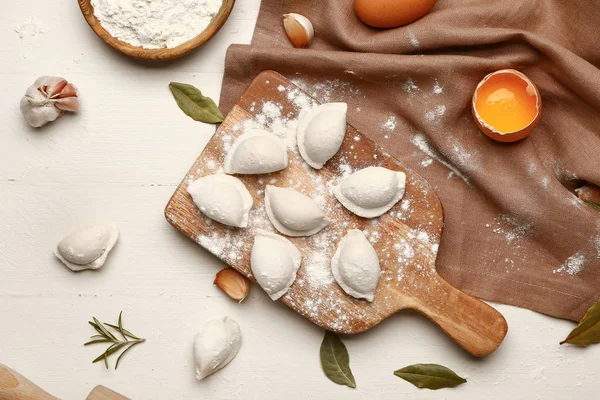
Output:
x,y
155,24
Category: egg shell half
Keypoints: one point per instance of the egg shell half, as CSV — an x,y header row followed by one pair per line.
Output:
x,y
492,132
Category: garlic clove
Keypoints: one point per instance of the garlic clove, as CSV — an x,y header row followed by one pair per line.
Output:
x,y
299,29
67,104
216,345
68,91
55,89
87,248
234,284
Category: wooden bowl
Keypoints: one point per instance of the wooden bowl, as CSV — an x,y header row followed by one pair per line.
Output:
x,y
157,54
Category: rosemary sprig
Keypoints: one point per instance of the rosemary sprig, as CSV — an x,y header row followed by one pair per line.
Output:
x,y
106,336
595,205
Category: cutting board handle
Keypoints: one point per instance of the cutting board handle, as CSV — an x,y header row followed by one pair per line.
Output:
x,y
14,386
475,326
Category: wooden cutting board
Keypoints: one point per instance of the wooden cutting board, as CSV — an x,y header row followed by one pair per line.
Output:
x,y
406,238
14,386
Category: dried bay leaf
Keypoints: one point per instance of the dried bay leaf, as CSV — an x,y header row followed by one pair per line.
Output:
x,y
336,361
588,330
198,107
430,376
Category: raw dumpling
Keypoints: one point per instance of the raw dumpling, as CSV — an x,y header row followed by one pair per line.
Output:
x,y
321,133
216,345
293,213
274,262
355,266
372,191
223,198
87,248
256,152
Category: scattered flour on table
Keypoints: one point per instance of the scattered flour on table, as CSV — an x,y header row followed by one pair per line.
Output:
x,y
390,124
414,42
410,86
29,27
597,245
155,24
420,141
517,228
573,265
426,162
436,114
437,88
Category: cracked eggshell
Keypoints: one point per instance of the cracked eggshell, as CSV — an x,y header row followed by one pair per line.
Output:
x,y
321,133
216,345
274,261
355,266
256,152
372,191
293,213
222,198
87,248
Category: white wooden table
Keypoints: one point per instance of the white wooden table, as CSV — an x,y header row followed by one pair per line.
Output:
x,y
119,161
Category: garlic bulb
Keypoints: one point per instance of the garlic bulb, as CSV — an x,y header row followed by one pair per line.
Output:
x,y
299,29
216,345
47,99
87,248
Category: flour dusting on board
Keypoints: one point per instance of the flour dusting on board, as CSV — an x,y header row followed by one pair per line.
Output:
x,y
404,253
328,91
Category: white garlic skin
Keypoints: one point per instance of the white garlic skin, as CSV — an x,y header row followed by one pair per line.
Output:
x,y
87,248
216,345
47,99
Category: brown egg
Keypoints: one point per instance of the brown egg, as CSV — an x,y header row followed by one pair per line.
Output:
x,y
391,13
507,106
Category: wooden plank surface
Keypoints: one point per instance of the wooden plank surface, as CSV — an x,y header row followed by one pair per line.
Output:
x,y
406,238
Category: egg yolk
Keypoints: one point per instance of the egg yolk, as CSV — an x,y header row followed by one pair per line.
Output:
x,y
507,103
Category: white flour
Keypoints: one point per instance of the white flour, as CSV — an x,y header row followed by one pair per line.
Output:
x,y
389,124
420,141
414,42
154,24
573,265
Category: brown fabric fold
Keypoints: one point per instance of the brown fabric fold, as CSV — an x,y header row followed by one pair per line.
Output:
x,y
515,232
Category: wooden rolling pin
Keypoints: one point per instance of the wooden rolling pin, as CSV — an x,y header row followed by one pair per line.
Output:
x,y
14,386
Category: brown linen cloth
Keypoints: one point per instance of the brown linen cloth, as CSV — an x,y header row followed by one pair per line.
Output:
x,y
514,232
